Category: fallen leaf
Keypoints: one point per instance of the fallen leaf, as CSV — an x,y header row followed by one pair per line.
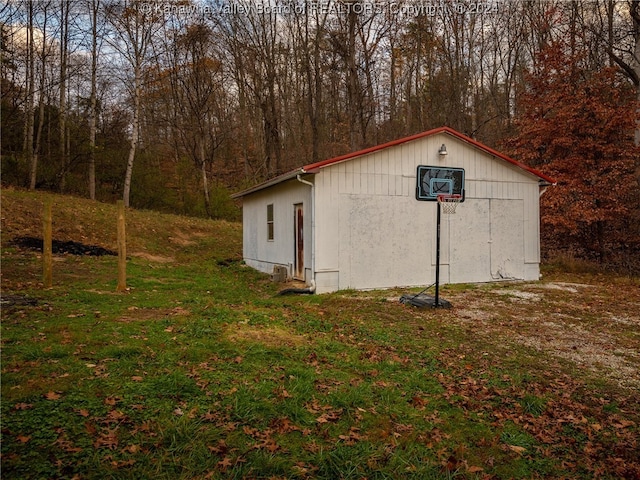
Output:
x,y
209,417
225,463
115,416
132,448
23,438
123,463
418,402
281,393
109,440
249,431
52,395
90,428
137,378
83,412
517,449
623,424
221,448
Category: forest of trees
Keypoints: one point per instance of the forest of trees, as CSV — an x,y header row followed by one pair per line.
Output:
x,y
171,105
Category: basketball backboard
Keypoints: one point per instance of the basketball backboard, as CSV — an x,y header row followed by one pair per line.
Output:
x,y
433,181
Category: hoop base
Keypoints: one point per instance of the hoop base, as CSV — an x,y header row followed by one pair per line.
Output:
x,y
423,301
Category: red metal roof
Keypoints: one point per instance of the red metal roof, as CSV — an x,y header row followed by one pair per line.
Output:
x,y
315,167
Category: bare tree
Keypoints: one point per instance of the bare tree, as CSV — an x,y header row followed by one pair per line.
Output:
x,y
65,6
133,24
196,81
45,53
307,29
29,127
94,6
252,40
633,69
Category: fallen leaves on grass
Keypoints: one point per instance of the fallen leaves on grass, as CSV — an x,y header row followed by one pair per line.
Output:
x,y
107,439
52,395
328,413
352,437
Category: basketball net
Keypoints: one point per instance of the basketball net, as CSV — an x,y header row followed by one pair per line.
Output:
x,y
449,203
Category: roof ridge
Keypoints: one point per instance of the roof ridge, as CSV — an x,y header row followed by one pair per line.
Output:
x,y
341,158
315,167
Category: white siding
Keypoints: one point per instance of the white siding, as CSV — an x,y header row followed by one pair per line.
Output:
x,y
373,233
369,231
382,248
469,244
261,253
507,225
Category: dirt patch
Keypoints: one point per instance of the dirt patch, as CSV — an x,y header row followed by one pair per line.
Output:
x,y
593,326
182,239
270,336
153,258
595,351
521,296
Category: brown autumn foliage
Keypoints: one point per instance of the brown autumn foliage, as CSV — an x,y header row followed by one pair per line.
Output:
x,y
577,125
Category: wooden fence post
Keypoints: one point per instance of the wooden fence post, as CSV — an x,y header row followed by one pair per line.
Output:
x,y
47,248
122,249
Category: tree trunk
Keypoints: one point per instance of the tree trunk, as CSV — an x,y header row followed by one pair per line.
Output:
x,y
205,180
637,69
352,79
36,149
634,9
92,111
64,39
28,139
134,136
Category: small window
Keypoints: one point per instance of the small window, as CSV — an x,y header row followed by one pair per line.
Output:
x,y
270,221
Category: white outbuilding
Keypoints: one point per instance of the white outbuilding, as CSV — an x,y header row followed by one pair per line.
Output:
x,y
367,220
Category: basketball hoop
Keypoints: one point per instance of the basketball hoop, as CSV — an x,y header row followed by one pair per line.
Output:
x,y
449,203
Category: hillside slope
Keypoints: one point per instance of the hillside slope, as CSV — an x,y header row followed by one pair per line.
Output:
x,y
150,234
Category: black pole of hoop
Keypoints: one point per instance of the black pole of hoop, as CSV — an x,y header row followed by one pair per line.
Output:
x,y
436,303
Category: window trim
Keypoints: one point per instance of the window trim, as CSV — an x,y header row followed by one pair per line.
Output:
x,y
270,223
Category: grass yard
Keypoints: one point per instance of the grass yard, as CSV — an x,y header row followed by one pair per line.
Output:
x,y
200,371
